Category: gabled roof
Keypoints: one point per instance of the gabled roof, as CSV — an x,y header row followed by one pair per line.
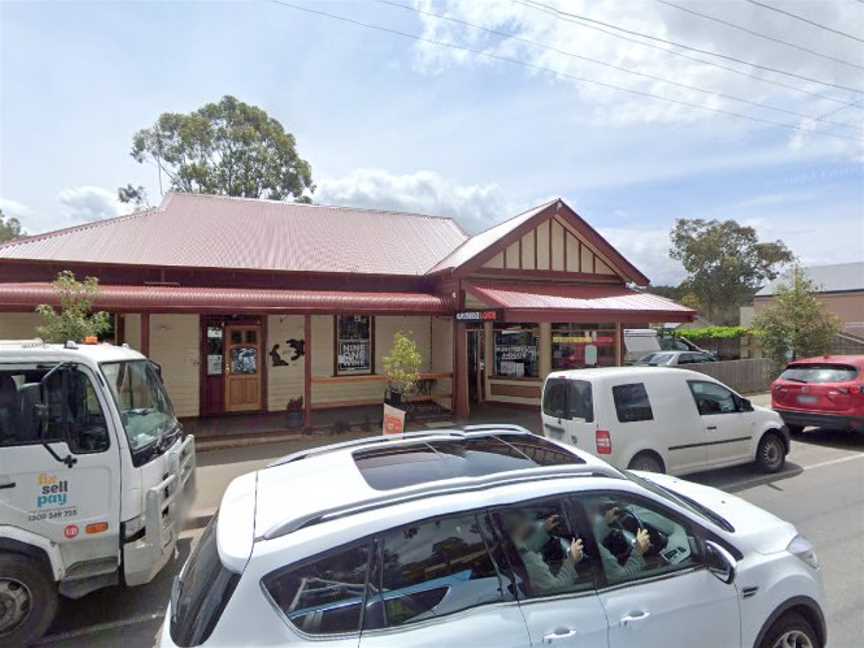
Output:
x,y
840,277
203,231
486,244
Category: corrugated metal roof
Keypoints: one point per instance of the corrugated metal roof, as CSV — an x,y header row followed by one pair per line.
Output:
x,y
840,277
611,298
233,300
195,230
479,242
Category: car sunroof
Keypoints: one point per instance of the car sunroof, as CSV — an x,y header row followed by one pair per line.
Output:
x,y
429,461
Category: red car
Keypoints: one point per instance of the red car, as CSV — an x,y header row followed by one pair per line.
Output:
x,y
827,392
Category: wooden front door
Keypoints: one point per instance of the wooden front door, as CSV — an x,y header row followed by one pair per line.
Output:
x,y
242,368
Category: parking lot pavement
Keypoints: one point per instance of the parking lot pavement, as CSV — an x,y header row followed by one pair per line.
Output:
x,y
821,491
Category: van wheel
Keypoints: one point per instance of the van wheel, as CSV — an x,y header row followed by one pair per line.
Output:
x,y
771,455
28,600
647,461
791,630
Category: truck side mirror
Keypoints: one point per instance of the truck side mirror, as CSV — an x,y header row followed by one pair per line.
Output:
x,y
720,562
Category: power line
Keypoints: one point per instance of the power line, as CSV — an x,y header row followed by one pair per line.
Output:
x,y
559,12
516,37
757,34
672,52
804,20
541,68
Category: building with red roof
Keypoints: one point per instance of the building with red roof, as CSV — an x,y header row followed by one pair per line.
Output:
x,y
251,304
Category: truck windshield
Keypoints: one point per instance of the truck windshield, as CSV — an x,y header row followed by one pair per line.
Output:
x,y
145,408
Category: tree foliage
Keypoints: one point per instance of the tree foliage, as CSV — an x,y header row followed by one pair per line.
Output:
x,y
10,228
228,148
132,194
75,319
402,365
796,324
725,263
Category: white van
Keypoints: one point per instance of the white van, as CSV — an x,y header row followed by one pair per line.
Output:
x,y
661,420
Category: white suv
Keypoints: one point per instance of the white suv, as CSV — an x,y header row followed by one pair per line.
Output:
x,y
490,536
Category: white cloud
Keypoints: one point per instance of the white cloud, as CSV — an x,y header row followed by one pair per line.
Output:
x,y
88,203
648,250
566,40
15,209
476,206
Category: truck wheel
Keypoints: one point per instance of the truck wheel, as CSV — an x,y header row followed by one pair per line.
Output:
x,y
791,630
771,455
28,600
647,461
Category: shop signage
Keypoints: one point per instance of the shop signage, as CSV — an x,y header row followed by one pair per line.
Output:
x,y
477,316
394,420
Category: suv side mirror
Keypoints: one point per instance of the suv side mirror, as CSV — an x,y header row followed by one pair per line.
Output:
x,y
720,562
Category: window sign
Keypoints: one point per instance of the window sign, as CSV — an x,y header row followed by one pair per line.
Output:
x,y
576,346
516,351
215,349
353,344
214,364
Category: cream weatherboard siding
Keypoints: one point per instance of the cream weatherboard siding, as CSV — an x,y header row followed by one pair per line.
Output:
x,y
18,326
174,345
132,330
284,382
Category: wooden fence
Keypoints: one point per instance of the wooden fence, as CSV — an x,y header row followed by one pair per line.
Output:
x,y
744,376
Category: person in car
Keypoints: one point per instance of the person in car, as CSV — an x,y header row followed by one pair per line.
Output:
x,y
603,517
529,536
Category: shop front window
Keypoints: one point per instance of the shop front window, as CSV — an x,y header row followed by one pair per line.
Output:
x,y
577,346
516,348
353,344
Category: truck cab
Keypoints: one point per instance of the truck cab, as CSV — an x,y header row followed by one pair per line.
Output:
x,y
95,473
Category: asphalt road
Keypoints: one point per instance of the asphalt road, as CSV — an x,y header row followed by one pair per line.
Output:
x,y
821,492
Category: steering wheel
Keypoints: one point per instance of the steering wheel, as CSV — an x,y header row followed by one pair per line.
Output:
x,y
622,535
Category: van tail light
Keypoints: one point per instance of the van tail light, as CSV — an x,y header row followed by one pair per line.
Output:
x,y
604,442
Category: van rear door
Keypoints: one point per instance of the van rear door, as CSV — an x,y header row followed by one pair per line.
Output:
x,y
568,412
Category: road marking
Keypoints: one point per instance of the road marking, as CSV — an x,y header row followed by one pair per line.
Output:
x,y
832,462
101,627
768,479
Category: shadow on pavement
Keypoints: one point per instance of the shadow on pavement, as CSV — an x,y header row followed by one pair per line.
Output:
x,y
837,439
738,478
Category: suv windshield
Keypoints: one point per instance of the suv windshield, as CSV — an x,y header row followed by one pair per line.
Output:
x,y
145,408
819,373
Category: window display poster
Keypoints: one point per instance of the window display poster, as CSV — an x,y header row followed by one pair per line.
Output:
x,y
354,356
590,355
214,364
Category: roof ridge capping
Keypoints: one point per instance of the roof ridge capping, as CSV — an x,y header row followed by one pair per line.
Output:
x,y
372,210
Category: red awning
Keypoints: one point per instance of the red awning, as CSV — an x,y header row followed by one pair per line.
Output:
x,y
587,303
25,296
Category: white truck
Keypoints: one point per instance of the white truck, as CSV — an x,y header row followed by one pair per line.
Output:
x,y
95,473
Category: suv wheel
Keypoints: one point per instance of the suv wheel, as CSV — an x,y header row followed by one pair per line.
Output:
x,y
28,600
791,631
771,455
647,461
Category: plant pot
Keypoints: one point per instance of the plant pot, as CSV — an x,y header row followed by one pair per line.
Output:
x,y
394,398
295,419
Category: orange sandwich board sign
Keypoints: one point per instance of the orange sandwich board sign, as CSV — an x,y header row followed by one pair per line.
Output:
x,y
394,420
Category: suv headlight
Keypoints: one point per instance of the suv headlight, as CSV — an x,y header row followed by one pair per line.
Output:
x,y
803,549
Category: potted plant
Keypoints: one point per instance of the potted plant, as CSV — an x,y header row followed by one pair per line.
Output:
x,y
402,368
295,412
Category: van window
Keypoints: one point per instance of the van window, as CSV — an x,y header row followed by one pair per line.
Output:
x,y
431,569
712,398
631,403
324,595
569,399
201,592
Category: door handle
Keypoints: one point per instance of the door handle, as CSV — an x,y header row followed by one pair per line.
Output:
x,y
558,634
633,617
711,427
6,483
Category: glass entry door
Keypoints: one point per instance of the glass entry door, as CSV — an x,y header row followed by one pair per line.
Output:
x,y
242,368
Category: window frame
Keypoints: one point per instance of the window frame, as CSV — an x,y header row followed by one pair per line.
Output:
x,y
65,436
736,399
370,341
693,528
618,409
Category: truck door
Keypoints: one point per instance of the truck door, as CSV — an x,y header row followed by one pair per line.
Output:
x,y
59,463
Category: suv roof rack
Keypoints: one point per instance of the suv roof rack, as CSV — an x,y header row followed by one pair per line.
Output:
x,y
468,430
434,489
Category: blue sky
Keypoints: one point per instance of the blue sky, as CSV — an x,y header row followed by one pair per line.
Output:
x,y
387,121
